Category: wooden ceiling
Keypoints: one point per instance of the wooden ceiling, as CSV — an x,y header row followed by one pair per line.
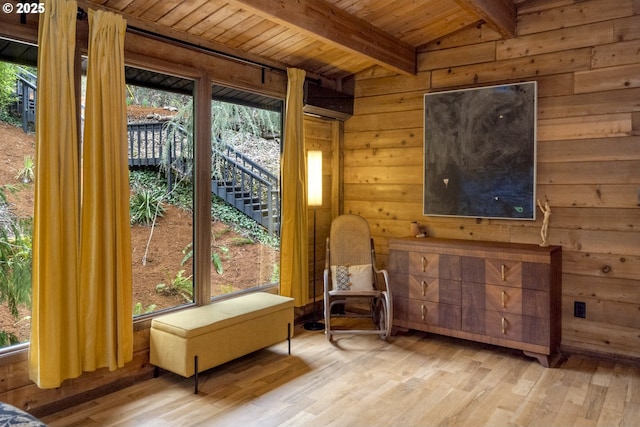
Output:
x,y
328,38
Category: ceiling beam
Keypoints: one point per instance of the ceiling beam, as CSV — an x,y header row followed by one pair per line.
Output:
x,y
332,25
500,15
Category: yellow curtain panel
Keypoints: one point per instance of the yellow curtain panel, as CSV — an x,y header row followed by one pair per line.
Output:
x,y
54,351
105,237
294,245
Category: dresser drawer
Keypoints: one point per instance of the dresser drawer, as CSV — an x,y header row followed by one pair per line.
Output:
x,y
477,296
424,264
503,325
504,273
527,329
426,288
435,290
503,299
434,265
427,313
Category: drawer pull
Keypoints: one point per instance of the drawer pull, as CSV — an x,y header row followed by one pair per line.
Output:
x,y
504,299
423,311
504,326
424,288
502,270
424,264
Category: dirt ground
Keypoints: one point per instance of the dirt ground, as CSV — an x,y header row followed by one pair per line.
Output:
x,y
244,264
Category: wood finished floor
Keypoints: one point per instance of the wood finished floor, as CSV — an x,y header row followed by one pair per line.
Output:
x,y
415,379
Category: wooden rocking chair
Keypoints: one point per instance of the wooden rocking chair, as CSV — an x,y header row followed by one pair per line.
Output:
x,y
350,275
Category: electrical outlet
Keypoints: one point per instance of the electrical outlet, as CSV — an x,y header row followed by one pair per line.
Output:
x,y
579,309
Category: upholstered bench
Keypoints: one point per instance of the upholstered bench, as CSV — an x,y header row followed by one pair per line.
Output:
x,y
200,338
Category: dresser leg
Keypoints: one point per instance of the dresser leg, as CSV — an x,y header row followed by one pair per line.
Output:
x,y
546,360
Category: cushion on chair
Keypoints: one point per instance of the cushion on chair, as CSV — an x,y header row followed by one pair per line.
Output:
x,y
352,277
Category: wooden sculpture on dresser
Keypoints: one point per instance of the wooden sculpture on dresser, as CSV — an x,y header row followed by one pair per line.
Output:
x,y
546,212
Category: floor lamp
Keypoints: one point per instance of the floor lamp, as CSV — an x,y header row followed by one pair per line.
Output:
x,y
314,198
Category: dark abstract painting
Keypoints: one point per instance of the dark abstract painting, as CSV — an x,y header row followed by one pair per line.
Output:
x,y
480,152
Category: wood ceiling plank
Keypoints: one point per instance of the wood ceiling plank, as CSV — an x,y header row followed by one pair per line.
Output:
x,y
180,12
498,14
278,42
213,20
247,31
196,16
295,52
349,6
159,10
227,28
257,44
135,8
393,15
287,44
437,26
257,26
331,61
117,4
321,20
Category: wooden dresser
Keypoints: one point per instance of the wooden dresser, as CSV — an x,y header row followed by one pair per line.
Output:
x,y
498,293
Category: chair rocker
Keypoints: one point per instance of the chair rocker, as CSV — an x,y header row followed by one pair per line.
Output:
x,y
352,281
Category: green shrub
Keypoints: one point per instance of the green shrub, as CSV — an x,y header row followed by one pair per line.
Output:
x,y
179,285
145,206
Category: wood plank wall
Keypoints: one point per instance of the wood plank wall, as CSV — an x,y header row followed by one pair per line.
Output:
x,y
585,56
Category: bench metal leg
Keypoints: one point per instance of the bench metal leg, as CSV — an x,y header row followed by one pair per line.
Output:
x,y
289,336
195,365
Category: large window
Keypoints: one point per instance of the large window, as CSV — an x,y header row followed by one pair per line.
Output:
x,y
245,192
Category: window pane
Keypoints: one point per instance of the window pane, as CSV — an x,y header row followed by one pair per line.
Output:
x,y
246,149
160,141
18,87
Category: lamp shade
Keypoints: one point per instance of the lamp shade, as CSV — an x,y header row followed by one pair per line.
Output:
x,y
314,178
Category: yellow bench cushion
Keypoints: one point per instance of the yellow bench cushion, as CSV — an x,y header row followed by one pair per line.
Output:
x,y
197,321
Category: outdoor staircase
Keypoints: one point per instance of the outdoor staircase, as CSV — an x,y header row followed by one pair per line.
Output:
x,y
248,187
26,91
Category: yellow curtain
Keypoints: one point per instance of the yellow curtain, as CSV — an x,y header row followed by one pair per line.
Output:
x,y
54,351
105,236
294,249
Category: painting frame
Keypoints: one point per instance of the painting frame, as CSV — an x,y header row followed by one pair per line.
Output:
x,y
480,152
